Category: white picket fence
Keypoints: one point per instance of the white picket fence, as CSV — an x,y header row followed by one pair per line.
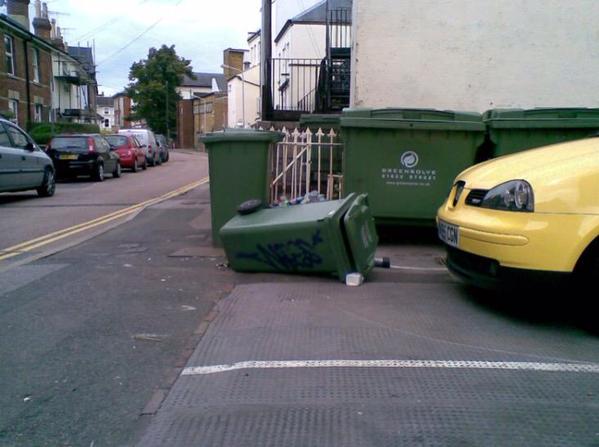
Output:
x,y
306,161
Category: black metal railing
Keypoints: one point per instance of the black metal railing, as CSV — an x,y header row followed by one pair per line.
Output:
x,y
294,84
339,28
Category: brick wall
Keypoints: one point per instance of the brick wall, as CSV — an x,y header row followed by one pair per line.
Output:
x,y
232,58
185,124
14,87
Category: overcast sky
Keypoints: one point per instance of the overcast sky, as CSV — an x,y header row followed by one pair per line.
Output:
x,y
199,29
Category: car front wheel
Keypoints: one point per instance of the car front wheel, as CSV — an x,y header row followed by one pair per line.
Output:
x,y
117,171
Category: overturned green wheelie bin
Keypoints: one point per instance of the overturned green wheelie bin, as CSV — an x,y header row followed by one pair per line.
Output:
x,y
238,164
334,237
407,159
515,130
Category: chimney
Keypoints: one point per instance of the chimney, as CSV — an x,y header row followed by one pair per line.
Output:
x,y
41,23
232,62
18,10
56,36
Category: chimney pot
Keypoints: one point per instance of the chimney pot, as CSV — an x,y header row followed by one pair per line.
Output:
x,y
41,24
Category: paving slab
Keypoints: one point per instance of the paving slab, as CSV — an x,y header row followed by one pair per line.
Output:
x,y
321,364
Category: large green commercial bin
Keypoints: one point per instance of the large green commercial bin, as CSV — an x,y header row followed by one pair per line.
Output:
x,y
334,237
316,121
515,130
406,159
238,166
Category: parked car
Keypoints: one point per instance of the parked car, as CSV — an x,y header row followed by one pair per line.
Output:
x,y
164,149
130,152
148,141
84,154
23,165
531,215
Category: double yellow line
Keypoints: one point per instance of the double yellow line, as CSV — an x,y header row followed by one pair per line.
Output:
x,y
41,241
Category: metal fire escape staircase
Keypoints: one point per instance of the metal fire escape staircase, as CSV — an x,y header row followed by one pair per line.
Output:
x,y
335,73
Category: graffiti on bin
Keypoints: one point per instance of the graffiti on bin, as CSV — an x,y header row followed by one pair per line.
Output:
x,y
290,255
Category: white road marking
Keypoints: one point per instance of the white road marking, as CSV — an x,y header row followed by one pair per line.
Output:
x,y
424,269
441,364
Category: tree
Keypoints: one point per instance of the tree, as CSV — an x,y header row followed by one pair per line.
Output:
x,y
153,87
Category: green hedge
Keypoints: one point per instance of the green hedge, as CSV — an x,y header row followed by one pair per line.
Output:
x,y
42,133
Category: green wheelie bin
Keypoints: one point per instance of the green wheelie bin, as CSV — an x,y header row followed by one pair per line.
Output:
x,y
407,159
238,168
515,130
334,237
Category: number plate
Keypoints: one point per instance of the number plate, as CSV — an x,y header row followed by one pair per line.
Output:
x,y
69,157
448,233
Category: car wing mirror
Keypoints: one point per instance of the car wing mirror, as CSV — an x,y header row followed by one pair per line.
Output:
x,y
30,147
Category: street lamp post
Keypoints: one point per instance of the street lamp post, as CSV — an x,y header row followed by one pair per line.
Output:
x,y
242,90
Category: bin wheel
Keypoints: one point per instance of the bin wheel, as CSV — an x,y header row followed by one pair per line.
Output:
x,y
250,206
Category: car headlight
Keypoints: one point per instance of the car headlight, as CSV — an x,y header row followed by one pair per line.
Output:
x,y
515,195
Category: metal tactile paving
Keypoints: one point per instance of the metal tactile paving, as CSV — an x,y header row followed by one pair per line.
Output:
x,y
377,406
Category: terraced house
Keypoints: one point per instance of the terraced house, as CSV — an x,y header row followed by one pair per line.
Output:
x,y
25,66
40,81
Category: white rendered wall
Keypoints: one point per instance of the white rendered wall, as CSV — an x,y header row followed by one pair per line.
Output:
x,y
283,10
236,106
475,54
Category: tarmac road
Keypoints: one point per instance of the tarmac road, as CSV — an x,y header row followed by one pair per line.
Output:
x,y
24,216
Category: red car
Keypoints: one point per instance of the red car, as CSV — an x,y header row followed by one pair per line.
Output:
x,y
130,151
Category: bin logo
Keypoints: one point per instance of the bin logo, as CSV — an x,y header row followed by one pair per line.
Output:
x,y
409,159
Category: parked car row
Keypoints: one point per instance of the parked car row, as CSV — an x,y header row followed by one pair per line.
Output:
x,y
24,165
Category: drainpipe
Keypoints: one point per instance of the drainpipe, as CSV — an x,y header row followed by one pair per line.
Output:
x,y
266,59
28,89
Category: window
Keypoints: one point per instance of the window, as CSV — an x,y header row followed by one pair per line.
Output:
x,y
106,111
39,110
35,63
19,139
107,123
4,140
13,107
206,107
9,51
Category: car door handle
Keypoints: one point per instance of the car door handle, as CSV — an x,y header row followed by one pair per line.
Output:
x,y
23,157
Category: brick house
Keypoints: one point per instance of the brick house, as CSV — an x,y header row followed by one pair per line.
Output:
x,y
122,110
25,66
209,113
39,80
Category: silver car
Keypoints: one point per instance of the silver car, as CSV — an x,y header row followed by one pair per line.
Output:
x,y
23,165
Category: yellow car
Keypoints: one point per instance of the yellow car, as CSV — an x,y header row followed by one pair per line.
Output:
x,y
525,217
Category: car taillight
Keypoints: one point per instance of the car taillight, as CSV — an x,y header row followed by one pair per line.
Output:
x,y
90,147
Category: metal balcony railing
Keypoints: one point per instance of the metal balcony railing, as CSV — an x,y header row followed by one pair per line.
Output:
x,y
294,84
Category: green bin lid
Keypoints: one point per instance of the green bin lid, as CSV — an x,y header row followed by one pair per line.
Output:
x,y
361,234
542,118
395,118
242,135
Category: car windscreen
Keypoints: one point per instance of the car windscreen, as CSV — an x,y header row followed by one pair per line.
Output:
x,y
116,140
70,144
141,137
